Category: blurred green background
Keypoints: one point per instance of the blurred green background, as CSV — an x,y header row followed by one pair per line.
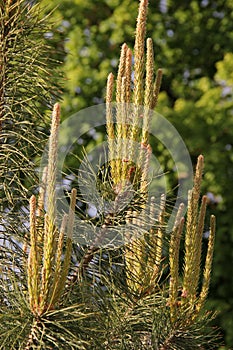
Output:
x,y
194,45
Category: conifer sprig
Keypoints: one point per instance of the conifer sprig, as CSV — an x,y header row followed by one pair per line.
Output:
x,y
47,267
192,236
132,125
144,254
190,301
132,128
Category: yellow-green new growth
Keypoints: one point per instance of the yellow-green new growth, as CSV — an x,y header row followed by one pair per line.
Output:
x,y
193,227
174,248
193,238
131,130
208,265
126,133
139,54
33,274
50,252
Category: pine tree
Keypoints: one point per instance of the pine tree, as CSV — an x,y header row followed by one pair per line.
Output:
x,y
134,296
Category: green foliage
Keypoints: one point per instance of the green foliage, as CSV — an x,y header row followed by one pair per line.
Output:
x,y
28,85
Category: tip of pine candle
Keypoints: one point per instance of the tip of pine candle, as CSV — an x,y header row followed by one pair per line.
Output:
x,y
56,108
201,157
56,114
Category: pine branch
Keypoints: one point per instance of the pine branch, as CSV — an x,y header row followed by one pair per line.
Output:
x,y
28,84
